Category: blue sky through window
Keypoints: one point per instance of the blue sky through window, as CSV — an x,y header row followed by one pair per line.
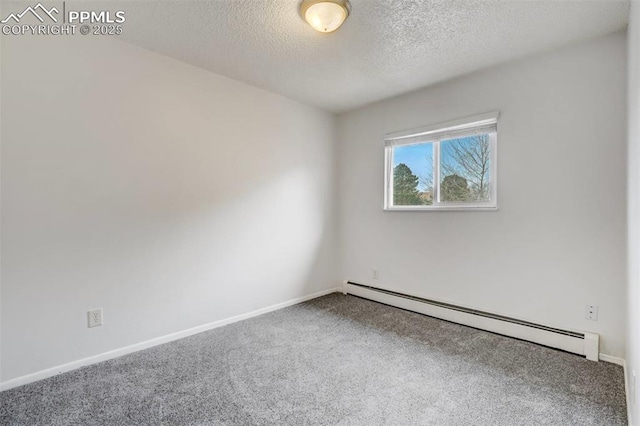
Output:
x,y
418,158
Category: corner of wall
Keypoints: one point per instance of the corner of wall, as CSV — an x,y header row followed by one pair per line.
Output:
x,y
633,218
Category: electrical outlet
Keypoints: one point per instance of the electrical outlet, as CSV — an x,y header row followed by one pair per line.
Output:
x,y
94,318
375,274
591,312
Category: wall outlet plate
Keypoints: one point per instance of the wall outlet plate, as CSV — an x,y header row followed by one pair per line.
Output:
x,y
591,312
94,318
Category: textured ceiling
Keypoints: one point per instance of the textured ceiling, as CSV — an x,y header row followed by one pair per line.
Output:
x,y
385,48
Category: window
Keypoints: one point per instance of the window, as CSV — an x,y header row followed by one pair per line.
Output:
x,y
451,166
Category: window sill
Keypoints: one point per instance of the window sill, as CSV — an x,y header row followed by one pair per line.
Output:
x,y
440,208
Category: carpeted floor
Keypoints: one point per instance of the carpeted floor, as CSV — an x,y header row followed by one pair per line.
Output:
x,y
334,360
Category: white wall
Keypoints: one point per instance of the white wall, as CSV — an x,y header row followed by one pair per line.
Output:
x,y
167,195
557,242
633,191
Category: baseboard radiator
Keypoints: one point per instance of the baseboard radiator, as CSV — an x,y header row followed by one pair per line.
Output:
x,y
581,343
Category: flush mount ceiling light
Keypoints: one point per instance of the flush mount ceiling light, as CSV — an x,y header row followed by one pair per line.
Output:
x,y
325,15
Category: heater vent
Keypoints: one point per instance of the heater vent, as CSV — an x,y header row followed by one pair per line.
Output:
x,y
581,343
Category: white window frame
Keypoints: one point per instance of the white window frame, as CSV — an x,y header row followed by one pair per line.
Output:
x,y
434,134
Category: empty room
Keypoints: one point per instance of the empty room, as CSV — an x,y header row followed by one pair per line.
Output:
x,y
319,212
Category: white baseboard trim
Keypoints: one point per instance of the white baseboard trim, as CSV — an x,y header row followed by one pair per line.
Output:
x,y
612,359
627,388
50,372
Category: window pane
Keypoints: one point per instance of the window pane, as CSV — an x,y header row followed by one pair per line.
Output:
x,y
413,175
465,165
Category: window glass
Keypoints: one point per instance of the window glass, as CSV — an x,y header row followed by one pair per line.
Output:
x,y
465,165
413,175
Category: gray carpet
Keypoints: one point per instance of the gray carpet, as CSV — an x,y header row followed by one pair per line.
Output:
x,y
334,360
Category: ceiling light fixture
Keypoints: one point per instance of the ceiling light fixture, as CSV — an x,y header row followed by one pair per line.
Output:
x,y
325,15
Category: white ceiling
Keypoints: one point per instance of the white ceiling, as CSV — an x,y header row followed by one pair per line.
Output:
x,y
385,48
